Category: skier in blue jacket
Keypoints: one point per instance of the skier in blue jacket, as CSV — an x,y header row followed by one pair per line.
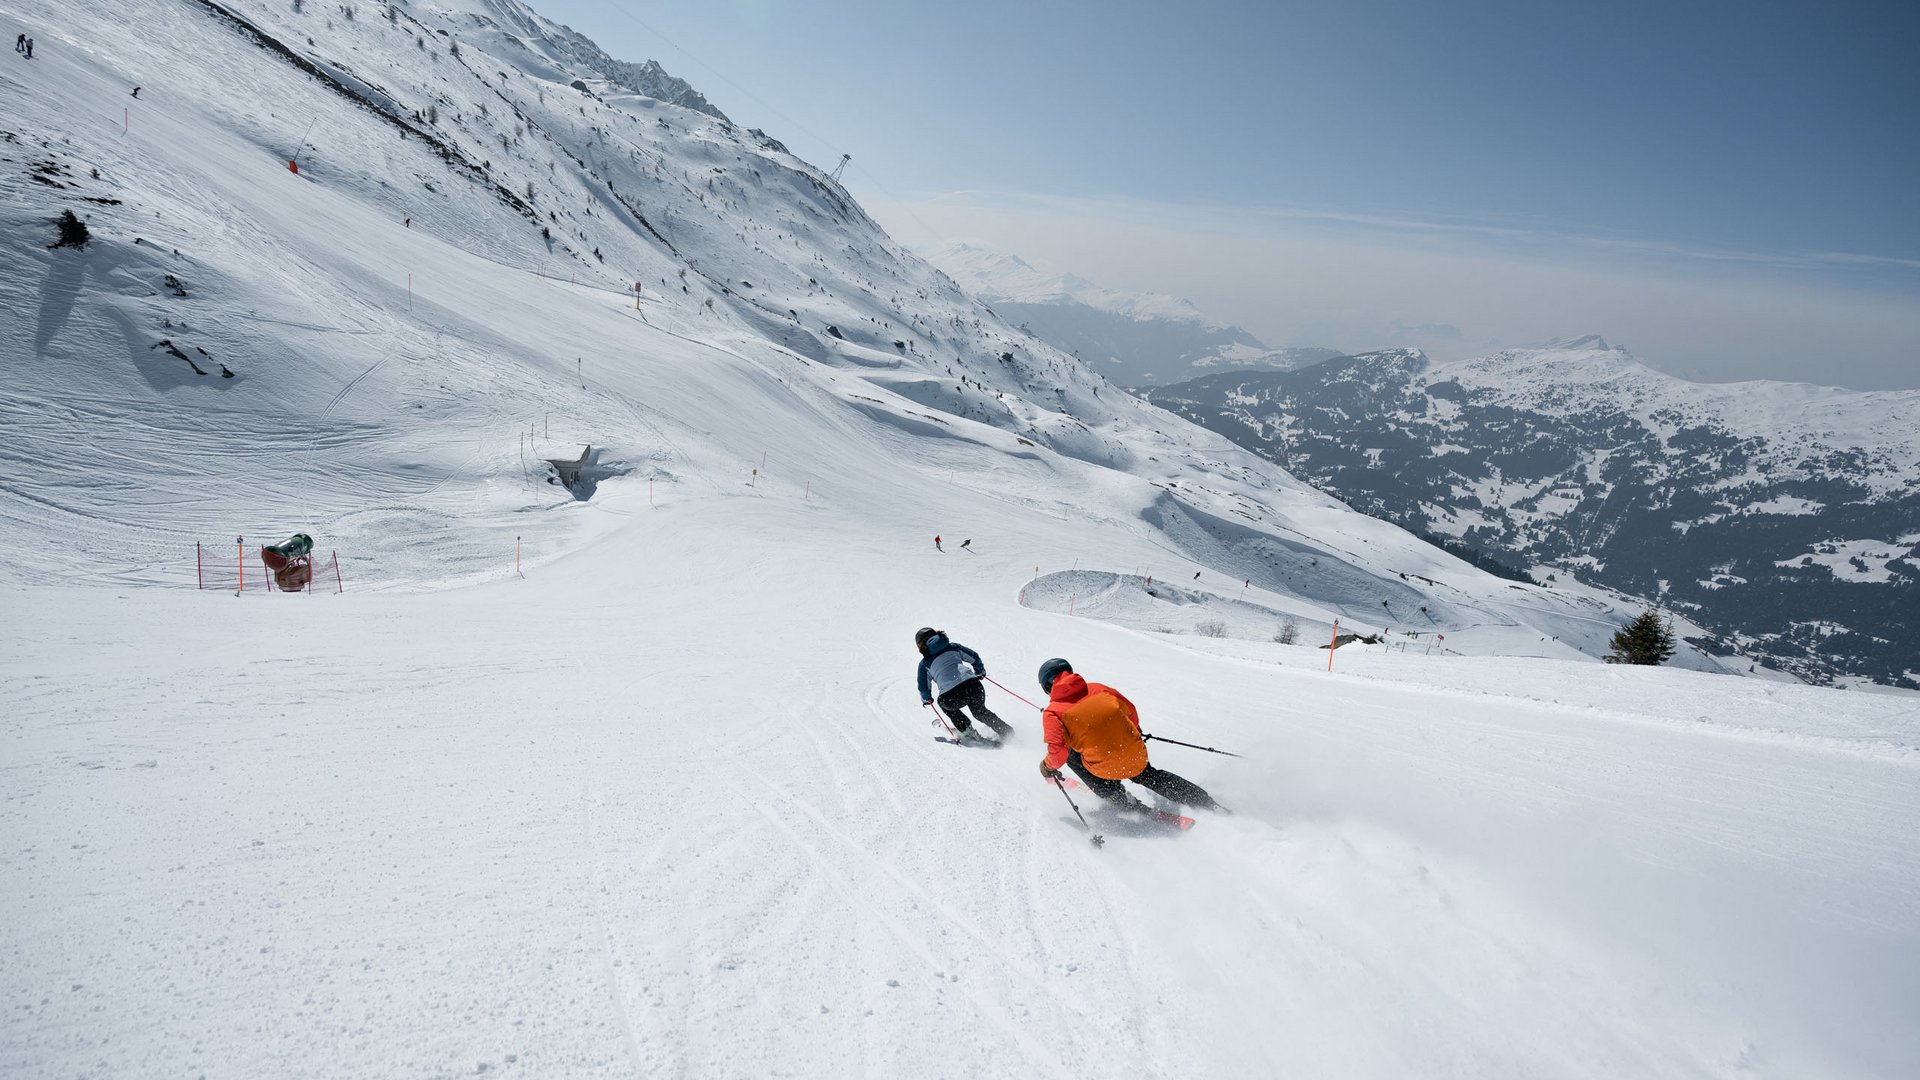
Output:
x,y
954,672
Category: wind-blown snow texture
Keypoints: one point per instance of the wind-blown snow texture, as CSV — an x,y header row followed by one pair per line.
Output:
x,y
665,802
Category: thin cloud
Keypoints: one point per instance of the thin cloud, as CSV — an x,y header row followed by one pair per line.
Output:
x,y
1502,234
1356,280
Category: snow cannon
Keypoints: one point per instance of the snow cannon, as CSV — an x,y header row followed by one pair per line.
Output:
x,y
290,562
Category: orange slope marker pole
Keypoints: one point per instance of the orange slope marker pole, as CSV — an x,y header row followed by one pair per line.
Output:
x,y
1332,643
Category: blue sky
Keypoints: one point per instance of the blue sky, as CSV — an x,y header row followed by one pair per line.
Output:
x,y
1761,159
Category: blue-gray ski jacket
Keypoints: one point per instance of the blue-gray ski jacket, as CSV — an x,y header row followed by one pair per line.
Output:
x,y
942,664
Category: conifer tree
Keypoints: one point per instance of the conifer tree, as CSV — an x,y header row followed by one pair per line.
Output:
x,y
73,232
1648,639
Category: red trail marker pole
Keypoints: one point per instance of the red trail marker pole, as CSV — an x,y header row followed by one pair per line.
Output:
x,y
1331,644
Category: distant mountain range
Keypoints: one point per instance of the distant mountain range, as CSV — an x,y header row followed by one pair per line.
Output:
x,y
1785,517
1134,339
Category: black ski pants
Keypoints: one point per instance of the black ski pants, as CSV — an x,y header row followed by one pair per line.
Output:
x,y
972,695
1159,781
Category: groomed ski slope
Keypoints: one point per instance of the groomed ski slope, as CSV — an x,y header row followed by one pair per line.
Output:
x,y
665,802
670,806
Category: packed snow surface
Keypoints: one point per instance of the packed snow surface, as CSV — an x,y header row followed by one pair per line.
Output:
x,y
639,783
669,805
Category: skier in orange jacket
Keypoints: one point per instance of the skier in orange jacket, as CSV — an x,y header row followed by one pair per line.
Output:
x,y
1095,731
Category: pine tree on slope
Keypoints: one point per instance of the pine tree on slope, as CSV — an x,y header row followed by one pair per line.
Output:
x,y
1648,639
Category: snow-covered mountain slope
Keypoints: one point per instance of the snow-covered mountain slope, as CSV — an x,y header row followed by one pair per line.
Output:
x,y
665,801
1785,517
1134,339
442,296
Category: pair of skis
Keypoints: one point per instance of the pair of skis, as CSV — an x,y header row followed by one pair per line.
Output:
x,y
976,741
1126,822
968,738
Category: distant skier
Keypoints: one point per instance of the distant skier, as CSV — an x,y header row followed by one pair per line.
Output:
x,y
20,44
966,545
29,48
409,222
955,672
136,91
1094,731
936,543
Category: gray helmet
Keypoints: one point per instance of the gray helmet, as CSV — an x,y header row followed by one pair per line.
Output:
x,y
1052,670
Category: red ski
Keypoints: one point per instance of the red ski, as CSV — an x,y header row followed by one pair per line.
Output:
x,y
1172,820
1166,818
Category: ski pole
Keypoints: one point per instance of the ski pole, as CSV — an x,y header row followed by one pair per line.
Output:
x,y
1016,697
1095,837
941,719
1193,746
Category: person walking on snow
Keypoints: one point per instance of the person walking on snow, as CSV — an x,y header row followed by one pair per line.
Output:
x,y
20,44
1094,731
955,672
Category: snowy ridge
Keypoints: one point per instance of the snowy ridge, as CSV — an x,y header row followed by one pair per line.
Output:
x,y
1796,420
634,780
520,28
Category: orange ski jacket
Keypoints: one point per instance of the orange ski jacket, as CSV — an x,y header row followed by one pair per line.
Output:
x,y
1098,722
